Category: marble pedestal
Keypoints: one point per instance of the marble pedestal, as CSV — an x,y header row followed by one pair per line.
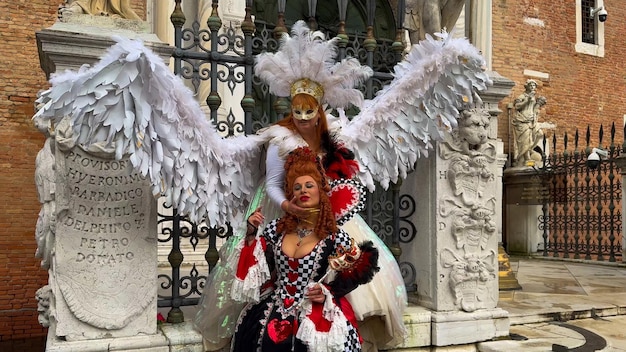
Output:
x,y
97,230
142,343
524,193
456,328
455,247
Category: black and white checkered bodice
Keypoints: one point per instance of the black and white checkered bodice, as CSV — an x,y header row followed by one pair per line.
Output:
x,y
294,274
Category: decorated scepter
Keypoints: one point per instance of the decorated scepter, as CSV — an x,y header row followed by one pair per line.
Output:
x,y
356,264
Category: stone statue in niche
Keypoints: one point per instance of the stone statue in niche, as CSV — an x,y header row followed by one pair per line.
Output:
x,y
108,8
526,128
430,16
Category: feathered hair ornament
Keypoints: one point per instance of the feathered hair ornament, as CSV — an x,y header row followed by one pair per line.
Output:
x,y
306,63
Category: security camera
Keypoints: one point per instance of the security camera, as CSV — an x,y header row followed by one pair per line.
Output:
x,y
602,15
601,12
593,160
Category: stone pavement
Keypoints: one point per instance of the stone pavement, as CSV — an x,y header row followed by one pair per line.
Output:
x,y
564,306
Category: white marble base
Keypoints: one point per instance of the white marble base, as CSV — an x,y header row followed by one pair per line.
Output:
x,y
427,332
183,337
143,343
417,321
457,328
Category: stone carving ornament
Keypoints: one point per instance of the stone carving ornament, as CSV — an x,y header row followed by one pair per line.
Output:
x,y
470,208
470,154
104,223
95,237
468,277
44,305
45,179
472,229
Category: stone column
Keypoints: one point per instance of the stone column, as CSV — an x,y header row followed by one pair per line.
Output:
x,y
159,18
455,251
480,24
500,89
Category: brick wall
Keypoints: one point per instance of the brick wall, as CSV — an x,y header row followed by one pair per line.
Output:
x,y
582,89
21,79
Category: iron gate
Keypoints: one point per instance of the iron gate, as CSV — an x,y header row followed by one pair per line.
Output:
x,y
581,215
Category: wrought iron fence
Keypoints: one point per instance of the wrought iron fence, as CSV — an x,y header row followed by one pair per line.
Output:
x,y
581,215
223,56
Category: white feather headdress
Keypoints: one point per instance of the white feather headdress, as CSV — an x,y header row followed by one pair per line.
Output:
x,y
307,56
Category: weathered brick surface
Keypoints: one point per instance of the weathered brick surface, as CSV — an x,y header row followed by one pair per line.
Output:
x,y
20,80
582,90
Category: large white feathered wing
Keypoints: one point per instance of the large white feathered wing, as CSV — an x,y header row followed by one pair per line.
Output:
x,y
131,103
434,81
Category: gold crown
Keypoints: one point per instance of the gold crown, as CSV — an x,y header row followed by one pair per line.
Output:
x,y
306,86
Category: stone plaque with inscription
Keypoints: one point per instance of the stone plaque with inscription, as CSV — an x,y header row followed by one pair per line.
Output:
x,y
525,189
104,268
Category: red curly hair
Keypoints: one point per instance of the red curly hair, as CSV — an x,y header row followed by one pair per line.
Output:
x,y
303,162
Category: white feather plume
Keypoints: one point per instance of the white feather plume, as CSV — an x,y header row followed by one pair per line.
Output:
x,y
307,54
131,103
435,80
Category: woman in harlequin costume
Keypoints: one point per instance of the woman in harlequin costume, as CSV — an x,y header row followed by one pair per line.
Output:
x,y
379,306
311,264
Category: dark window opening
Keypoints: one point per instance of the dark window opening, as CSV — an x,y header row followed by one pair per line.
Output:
x,y
588,22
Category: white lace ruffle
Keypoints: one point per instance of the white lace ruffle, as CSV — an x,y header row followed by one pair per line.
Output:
x,y
249,289
318,341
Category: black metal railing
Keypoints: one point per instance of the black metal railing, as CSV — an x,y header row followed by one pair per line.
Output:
x,y
581,216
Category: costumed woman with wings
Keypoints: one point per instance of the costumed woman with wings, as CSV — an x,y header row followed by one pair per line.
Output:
x,y
132,104
305,69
